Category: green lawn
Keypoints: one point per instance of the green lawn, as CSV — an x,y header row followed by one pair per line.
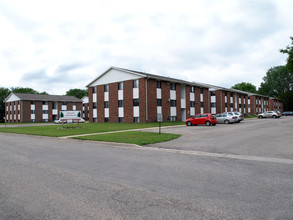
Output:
x,y
86,128
131,137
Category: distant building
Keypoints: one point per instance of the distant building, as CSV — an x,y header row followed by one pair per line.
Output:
x,y
21,107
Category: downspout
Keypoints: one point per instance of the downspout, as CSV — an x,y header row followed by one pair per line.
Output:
x,y
146,99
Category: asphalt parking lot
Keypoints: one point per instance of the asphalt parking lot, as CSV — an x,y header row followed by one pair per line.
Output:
x,y
254,137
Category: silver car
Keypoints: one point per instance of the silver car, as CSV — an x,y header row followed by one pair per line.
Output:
x,y
225,118
236,114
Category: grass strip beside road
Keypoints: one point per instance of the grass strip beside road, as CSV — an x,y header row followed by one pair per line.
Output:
x,y
86,128
131,137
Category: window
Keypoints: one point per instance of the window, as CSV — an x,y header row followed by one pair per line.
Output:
x,y
120,86
201,90
240,105
106,104
172,86
225,93
213,93
192,103
135,83
231,105
231,94
94,90
213,104
45,103
135,102
120,119
201,104
32,111
159,102
136,119
225,105
159,86
107,119
173,118
120,103
106,88
32,102
73,103
192,89
95,120
45,111
63,103
173,103
94,105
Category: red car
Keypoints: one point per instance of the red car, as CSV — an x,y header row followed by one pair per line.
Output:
x,y
201,119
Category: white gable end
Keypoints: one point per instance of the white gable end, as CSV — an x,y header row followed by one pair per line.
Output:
x,y
12,98
114,75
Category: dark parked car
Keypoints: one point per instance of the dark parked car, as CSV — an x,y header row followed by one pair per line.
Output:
x,y
288,113
201,119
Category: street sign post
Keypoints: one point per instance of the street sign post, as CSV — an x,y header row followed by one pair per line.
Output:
x,y
159,119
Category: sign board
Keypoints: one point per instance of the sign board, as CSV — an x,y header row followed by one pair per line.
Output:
x,y
70,116
160,117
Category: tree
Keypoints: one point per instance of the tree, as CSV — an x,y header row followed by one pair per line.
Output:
x,y
26,90
289,51
245,86
278,83
78,93
4,92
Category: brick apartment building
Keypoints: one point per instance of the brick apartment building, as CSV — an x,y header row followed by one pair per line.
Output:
x,y
20,107
85,108
122,95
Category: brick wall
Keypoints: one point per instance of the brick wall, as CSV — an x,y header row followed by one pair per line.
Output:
x,y
128,100
187,97
142,99
113,102
100,104
197,100
165,103
206,100
152,100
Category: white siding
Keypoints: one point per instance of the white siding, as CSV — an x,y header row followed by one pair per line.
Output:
x,y
32,116
136,111
159,93
120,112
74,107
45,107
95,113
120,94
173,111
114,75
32,107
106,96
95,97
64,107
192,111
106,112
55,112
172,95
135,93
192,96
159,110
183,103
213,98
201,97
45,116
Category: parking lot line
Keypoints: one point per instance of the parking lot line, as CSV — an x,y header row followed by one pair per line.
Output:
x,y
219,155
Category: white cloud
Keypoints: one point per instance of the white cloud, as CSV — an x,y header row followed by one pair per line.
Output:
x,y
218,42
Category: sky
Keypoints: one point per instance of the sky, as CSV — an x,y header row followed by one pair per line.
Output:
x,y
58,45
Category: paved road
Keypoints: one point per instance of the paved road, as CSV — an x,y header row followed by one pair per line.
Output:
x,y
255,137
47,178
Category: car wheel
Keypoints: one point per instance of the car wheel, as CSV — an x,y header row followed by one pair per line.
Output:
x,y
260,116
189,123
274,116
227,122
208,123
214,124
